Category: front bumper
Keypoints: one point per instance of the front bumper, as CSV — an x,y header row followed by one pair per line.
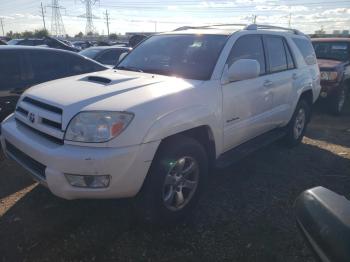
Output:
x,y
127,166
328,88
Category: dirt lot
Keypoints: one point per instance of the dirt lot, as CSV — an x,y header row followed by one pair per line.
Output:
x,y
246,214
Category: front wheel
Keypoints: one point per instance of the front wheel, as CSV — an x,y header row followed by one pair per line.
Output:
x,y
175,180
297,126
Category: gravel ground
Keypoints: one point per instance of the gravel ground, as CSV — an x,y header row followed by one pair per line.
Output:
x,y
245,215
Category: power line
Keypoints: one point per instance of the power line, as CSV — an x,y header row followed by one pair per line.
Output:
x,y
57,27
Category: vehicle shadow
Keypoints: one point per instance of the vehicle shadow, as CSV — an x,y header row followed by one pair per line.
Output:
x,y
329,128
246,214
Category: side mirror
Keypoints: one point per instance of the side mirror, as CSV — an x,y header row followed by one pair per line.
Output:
x,y
243,69
122,55
323,218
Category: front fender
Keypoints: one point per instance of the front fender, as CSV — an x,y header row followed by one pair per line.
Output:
x,y
184,119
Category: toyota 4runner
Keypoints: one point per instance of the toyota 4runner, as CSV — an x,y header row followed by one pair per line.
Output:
x,y
178,104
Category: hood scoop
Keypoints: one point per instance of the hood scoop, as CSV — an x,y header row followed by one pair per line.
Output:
x,y
107,79
99,79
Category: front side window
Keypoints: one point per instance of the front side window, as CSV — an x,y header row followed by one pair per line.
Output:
x,y
184,55
80,65
248,47
332,50
90,52
276,54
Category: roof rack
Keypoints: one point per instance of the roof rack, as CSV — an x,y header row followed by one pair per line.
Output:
x,y
245,27
267,27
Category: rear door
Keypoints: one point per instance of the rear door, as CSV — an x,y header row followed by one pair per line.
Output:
x,y
282,74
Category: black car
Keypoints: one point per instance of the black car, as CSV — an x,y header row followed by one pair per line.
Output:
x,y
27,42
2,42
22,67
46,41
107,55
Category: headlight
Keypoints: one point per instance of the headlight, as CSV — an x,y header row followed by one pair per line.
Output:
x,y
97,127
329,76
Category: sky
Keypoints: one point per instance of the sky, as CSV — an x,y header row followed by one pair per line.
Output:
x,y
165,15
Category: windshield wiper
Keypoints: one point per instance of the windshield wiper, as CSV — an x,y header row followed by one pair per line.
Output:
x,y
129,68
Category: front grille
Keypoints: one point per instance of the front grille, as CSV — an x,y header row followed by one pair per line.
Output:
x,y
42,105
51,123
22,111
47,136
25,160
41,118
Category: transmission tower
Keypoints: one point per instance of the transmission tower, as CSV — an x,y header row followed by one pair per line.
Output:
x,y
57,27
89,16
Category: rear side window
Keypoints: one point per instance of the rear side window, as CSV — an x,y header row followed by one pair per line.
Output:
x,y
110,57
47,66
306,49
10,72
276,54
248,47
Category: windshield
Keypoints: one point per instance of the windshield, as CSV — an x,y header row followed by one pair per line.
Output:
x,y
13,42
332,50
90,53
186,56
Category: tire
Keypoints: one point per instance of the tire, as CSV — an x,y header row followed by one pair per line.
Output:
x,y
296,127
159,200
337,101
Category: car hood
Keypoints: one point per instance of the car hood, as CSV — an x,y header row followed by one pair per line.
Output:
x,y
110,90
328,63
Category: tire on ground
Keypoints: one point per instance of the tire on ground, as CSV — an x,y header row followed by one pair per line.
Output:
x,y
150,205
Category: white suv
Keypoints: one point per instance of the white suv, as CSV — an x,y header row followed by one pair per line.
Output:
x,y
179,103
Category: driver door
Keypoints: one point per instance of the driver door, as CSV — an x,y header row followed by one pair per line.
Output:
x,y
246,103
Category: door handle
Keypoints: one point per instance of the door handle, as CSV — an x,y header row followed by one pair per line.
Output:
x,y
268,83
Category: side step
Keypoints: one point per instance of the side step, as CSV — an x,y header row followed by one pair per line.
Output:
x,y
241,151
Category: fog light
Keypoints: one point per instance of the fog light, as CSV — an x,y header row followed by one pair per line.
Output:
x,y
88,181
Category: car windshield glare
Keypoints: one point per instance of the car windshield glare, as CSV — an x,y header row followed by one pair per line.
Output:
x,y
186,56
335,51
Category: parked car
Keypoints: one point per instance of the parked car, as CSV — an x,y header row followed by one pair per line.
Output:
x,y
2,42
23,67
46,41
333,57
107,55
81,45
179,103
27,42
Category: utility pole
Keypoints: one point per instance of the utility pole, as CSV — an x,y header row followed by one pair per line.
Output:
x,y
42,14
57,27
2,25
290,20
107,21
155,26
254,19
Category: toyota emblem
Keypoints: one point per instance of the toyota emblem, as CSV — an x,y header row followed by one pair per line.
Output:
x,y
31,117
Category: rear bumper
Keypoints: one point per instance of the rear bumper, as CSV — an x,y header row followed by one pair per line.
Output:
x,y
127,166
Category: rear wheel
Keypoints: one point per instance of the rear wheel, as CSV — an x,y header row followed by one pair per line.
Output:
x,y
175,181
297,126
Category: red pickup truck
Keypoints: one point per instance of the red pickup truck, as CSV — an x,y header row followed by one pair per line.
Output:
x,y
333,57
